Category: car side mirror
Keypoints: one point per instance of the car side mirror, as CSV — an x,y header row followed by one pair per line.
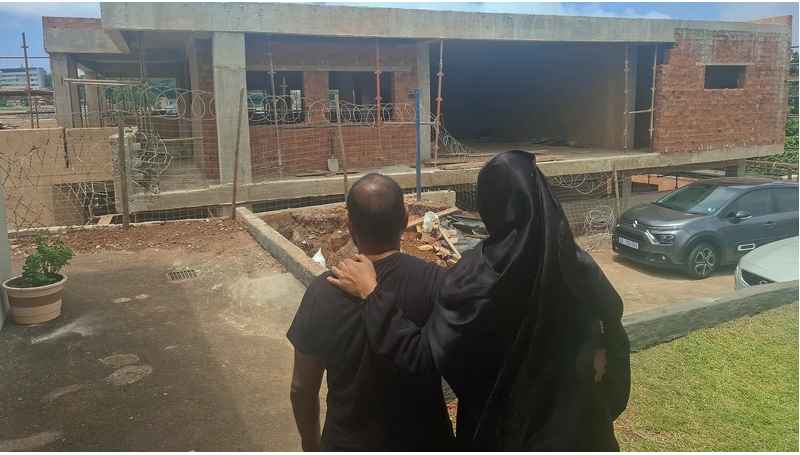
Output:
x,y
741,215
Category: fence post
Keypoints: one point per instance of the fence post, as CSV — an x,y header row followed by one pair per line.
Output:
x,y
616,192
123,170
419,143
242,106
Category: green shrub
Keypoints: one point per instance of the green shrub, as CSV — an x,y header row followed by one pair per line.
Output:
x,y
41,267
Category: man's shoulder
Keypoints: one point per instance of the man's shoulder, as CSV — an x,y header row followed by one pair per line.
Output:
x,y
321,289
413,261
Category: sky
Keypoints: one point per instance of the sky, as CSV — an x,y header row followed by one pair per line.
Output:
x,y
19,17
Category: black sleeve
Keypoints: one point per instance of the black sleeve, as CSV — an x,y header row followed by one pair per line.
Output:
x,y
396,338
301,330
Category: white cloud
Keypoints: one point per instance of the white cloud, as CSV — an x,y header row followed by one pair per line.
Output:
x,y
554,8
59,9
750,11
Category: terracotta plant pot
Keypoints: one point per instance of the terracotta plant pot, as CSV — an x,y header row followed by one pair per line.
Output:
x,y
35,305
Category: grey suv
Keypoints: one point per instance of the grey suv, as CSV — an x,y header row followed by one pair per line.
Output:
x,y
708,223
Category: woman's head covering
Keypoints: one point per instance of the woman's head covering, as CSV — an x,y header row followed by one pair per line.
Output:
x,y
529,309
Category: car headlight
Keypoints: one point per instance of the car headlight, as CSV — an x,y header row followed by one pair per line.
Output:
x,y
666,239
666,228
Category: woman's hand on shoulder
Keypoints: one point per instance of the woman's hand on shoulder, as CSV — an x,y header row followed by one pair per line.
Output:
x,y
356,276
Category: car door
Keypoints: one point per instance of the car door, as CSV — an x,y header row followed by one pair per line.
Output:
x,y
785,207
741,236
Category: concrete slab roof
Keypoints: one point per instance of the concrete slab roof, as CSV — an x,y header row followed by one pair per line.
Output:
x,y
359,21
84,40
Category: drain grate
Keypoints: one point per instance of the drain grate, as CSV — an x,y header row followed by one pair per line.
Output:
x,y
182,275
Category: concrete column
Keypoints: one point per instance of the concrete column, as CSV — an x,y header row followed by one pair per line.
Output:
x,y
5,258
181,84
625,190
229,78
65,94
736,168
424,84
630,83
189,99
75,100
92,101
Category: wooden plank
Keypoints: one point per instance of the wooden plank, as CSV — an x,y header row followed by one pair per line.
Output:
x,y
105,220
452,167
441,214
452,248
773,164
182,139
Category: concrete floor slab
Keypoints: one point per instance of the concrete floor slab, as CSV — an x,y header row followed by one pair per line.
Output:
x,y
137,362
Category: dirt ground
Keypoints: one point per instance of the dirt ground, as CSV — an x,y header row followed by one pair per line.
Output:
x,y
316,228
137,362
217,236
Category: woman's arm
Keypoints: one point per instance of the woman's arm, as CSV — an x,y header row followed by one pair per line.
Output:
x,y
389,332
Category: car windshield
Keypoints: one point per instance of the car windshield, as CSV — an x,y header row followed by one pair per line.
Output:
x,y
699,198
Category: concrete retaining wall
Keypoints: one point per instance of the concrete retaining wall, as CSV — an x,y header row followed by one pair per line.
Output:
x,y
287,253
667,323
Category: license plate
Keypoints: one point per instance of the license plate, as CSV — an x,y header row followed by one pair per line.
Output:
x,y
628,243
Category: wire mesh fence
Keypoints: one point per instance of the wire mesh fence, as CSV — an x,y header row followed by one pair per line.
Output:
x,y
72,176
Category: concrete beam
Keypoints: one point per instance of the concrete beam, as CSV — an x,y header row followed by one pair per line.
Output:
x,y
736,169
329,20
667,323
229,78
132,70
307,187
82,41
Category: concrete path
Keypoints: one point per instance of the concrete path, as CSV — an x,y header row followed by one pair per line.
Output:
x,y
139,363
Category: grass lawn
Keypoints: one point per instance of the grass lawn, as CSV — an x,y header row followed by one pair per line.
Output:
x,y
733,387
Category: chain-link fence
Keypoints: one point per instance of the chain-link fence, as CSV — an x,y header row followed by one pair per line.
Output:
x,y
72,176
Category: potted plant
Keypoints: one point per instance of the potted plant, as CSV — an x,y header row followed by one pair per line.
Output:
x,y
36,295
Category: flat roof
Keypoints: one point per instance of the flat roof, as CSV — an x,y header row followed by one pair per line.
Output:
x,y
360,21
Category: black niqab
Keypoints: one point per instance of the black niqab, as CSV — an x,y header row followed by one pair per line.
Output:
x,y
516,326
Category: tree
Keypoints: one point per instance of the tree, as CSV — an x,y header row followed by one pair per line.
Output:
x,y
48,81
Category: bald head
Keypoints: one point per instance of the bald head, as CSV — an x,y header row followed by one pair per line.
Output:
x,y
376,211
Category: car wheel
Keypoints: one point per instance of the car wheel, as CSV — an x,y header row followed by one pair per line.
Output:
x,y
702,261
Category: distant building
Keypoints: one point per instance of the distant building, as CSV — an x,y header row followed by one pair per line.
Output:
x,y
15,77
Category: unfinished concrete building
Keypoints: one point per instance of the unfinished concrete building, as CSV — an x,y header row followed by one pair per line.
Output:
x,y
603,93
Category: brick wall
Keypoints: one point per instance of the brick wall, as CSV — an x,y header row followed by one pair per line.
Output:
x,y
689,117
71,22
306,149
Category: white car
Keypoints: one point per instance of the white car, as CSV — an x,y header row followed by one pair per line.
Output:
x,y
774,262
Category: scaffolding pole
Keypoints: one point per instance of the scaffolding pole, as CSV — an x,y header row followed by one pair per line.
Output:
x,y
627,113
143,78
653,93
28,81
378,85
651,110
438,103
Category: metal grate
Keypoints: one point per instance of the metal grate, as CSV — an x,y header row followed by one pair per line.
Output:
x,y
182,275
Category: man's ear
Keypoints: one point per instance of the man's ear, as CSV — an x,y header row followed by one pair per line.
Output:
x,y
350,228
405,217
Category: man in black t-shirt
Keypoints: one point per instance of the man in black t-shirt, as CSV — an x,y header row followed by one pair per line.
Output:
x,y
371,406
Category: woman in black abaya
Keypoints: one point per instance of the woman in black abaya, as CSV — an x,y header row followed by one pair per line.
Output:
x,y
526,329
